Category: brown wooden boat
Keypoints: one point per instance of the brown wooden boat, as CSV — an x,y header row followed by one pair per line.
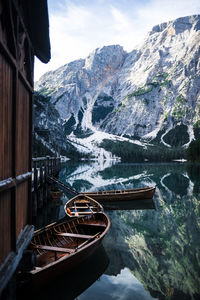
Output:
x,y
122,195
60,247
82,205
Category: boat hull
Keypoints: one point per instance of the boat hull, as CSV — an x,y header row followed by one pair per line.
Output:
x,y
122,195
82,205
41,276
47,275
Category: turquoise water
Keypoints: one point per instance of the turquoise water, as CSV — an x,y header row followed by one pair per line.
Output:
x,y
153,248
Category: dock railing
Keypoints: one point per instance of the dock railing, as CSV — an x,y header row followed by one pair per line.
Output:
x,y
42,167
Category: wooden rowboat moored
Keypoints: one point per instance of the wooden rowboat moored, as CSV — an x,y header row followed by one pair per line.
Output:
x,y
82,205
60,247
122,195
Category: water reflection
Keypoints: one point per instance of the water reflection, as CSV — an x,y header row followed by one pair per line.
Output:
x,y
124,286
159,246
129,205
71,285
88,177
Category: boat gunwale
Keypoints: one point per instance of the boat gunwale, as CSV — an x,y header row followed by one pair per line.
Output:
x,y
81,249
90,199
120,192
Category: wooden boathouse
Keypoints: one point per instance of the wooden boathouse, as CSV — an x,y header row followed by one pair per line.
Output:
x,y
24,33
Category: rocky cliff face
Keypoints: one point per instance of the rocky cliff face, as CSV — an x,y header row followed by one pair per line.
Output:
x,y
150,94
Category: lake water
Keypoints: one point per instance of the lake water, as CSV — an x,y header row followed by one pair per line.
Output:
x,y
152,250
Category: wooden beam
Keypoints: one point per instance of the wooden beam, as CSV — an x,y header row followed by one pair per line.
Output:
x,y
81,212
83,206
7,184
23,177
54,249
76,235
93,224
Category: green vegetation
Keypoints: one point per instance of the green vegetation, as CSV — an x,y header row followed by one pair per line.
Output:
x,y
79,132
180,108
45,91
196,128
193,151
102,107
73,154
100,112
197,124
39,149
141,91
43,104
147,68
121,105
69,125
133,153
40,101
158,80
163,81
177,136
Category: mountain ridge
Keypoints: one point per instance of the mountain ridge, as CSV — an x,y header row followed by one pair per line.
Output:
x,y
148,94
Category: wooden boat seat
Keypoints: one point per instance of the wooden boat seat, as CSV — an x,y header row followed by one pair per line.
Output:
x,y
81,201
93,224
76,235
81,212
82,207
55,249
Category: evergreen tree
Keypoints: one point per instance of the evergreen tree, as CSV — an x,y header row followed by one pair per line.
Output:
x,y
193,151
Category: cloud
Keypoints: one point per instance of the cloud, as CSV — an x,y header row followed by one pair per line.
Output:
x,y
78,27
156,11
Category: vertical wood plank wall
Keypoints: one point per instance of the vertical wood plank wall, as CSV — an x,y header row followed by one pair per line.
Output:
x,y
16,90
23,103
6,83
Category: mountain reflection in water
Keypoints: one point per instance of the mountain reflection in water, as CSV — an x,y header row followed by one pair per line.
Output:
x,y
124,286
161,246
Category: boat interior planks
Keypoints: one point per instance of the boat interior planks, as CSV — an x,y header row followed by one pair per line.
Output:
x,y
122,195
82,205
60,247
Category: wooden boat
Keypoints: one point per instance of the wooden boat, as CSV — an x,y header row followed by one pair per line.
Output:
x,y
60,247
122,195
82,205
70,284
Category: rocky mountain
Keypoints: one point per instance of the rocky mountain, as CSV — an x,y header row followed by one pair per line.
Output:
x,y
151,95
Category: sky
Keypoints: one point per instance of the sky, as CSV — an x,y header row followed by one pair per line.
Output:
x,y
77,27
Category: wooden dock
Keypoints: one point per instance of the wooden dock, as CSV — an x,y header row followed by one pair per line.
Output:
x,y
43,168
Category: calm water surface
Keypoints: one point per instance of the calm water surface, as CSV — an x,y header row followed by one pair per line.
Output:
x,y
152,250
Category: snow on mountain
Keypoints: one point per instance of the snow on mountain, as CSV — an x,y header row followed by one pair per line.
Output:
x,y
151,94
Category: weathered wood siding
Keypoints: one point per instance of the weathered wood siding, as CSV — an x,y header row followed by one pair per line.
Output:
x,y
5,225
16,89
6,143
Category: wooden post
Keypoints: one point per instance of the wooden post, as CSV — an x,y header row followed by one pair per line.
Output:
x,y
45,181
51,166
48,165
35,179
45,170
41,199
41,174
